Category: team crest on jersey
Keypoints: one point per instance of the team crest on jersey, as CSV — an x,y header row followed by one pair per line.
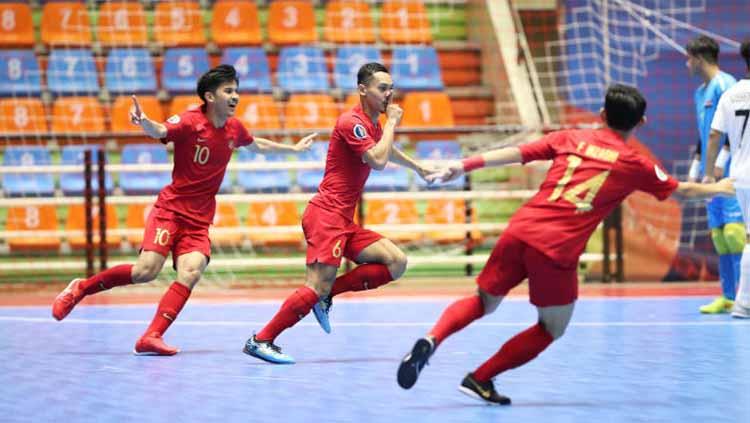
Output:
x,y
360,131
660,173
174,119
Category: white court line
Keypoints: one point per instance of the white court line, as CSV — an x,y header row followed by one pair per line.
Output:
x,y
372,324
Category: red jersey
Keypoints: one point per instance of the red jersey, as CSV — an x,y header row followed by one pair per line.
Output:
x,y
346,171
592,172
201,154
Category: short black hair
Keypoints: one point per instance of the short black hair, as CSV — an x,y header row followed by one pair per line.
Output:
x,y
212,79
704,47
625,107
745,52
364,76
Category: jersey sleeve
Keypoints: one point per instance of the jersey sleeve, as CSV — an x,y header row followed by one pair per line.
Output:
x,y
177,128
356,136
244,137
653,180
541,149
719,122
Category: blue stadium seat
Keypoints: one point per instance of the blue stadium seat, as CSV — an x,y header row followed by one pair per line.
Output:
x,y
264,180
392,178
416,68
73,183
348,62
130,71
308,180
226,183
19,73
440,150
182,68
72,72
252,66
142,183
27,184
302,69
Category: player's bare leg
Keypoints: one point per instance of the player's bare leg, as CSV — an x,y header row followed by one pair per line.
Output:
x,y
190,267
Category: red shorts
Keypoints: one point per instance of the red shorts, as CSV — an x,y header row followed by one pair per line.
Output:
x,y
168,231
512,261
331,236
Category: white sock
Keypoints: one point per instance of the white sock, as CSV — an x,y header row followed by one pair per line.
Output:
x,y
743,292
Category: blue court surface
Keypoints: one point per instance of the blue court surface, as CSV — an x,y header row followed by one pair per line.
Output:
x,y
622,360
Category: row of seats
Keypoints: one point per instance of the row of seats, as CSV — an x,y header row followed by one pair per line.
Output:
x,y
85,116
129,70
145,183
234,22
30,219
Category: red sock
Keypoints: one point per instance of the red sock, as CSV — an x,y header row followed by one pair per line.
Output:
x,y
169,307
519,350
294,308
363,277
457,316
108,279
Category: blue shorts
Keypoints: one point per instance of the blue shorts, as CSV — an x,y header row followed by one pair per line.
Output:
x,y
723,210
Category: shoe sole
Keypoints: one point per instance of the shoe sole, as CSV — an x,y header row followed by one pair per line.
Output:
x,y
469,393
326,328
408,371
267,360
151,353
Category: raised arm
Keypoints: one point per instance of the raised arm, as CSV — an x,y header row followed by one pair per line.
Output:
x,y
377,157
493,158
695,190
262,145
401,158
151,128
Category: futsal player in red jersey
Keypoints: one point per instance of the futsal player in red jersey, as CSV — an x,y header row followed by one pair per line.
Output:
x,y
592,172
358,144
204,140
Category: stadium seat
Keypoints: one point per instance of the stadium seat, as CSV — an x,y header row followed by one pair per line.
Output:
x,y
182,67
225,217
308,180
404,21
235,23
82,115
416,68
440,150
274,213
120,114
130,71
348,22
182,103
252,67
263,180
19,73
425,109
259,112
66,23
348,62
392,178
135,218
291,22
122,23
73,183
304,111
17,29
179,23
27,184
77,222
31,219
144,183
72,72
441,211
302,69
393,212
22,115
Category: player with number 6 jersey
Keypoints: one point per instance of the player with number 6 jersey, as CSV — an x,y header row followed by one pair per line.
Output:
x,y
204,140
592,172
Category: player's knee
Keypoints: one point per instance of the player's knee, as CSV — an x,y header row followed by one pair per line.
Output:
x,y
189,276
489,302
145,272
554,328
396,263
734,237
720,243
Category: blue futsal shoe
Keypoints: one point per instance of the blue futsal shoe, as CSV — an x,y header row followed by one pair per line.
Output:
x,y
266,351
320,310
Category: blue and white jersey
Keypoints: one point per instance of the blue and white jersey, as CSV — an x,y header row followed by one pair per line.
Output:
x,y
732,118
706,100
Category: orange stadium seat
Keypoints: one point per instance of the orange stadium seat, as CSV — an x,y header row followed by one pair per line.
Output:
x,y
440,211
77,221
17,29
136,219
235,23
348,22
65,23
404,21
181,103
310,111
122,23
291,22
30,219
259,112
179,23
225,217
424,109
274,213
77,114
120,115
24,115
393,212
